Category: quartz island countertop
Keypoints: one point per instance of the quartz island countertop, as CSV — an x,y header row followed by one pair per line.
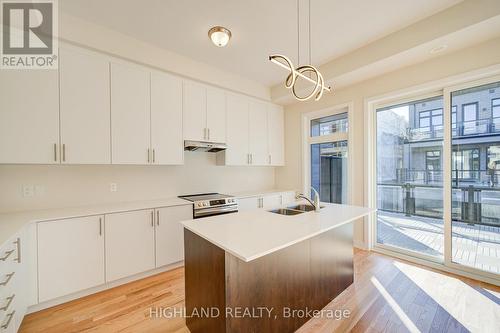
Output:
x,y
252,234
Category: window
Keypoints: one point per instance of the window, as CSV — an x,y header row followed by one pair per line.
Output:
x,y
470,115
495,107
466,164
431,118
433,160
328,164
454,117
493,158
329,125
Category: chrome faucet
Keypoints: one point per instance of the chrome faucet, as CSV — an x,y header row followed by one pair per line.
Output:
x,y
314,203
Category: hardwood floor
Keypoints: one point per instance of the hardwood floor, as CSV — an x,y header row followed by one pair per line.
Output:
x,y
388,295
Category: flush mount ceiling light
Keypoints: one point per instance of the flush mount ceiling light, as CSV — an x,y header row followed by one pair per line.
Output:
x,y
220,36
306,72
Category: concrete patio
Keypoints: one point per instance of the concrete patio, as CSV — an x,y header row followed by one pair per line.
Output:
x,y
472,245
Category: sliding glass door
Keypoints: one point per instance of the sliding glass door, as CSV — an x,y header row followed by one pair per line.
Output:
x,y
410,177
475,187
436,172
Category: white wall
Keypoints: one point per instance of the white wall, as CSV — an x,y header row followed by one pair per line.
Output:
x,y
83,33
74,185
475,57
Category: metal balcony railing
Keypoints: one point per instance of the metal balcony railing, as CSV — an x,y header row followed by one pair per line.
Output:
x,y
472,202
460,129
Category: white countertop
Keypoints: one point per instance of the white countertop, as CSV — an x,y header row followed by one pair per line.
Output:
x,y
252,234
11,223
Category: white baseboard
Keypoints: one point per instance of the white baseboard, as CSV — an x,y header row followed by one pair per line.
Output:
x,y
109,285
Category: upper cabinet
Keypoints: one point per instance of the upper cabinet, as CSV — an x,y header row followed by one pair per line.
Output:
x,y
237,132
255,133
276,135
96,109
167,145
29,116
204,113
130,114
257,129
216,115
84,107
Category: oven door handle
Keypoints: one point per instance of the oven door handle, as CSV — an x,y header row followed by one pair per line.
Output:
x,y
208,211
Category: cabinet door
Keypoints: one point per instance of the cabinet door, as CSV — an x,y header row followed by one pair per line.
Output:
x,y
29,116
170,233
166,119
258,133
70,256
288,197
237,131
85,111
272,201
195,111
246,204
130,114
216,115
129,243
276,135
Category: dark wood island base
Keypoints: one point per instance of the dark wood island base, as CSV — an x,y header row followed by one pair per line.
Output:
x,y
269,294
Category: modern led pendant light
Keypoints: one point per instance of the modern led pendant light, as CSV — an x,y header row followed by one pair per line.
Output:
x,y
306,72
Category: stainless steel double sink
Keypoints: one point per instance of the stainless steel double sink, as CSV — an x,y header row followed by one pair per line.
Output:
x,y
294,210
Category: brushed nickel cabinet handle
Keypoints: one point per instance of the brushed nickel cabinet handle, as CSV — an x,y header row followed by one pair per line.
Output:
x,y
100,226
64,152
148,156
209,133
55,152
152,219
158,218
251,158
154,156
7,323
9,302
18,247
7,255
9,277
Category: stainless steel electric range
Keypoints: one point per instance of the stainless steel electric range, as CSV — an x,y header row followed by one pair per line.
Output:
x,y
210,204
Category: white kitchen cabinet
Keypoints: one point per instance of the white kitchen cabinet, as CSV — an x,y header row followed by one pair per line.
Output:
x,y
288,197
130,243
204,113
84,107
195,111
29,116
216,115
258,146
70,256
276,135
250,203
170,233
237,131
130,114
167,146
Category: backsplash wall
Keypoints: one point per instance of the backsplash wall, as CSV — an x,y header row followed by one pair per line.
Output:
x,y
75,185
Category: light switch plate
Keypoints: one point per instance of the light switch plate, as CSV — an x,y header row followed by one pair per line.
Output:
x,y
28,191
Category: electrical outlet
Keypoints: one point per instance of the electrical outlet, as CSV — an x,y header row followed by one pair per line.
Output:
x,y
113,187
28,191
39,190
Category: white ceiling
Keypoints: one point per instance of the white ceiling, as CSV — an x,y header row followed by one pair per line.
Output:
x,y
259,27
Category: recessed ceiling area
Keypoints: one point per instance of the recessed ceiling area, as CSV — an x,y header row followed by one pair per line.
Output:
x,y
259,27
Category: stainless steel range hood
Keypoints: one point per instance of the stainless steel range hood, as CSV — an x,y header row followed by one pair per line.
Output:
x,y
204,146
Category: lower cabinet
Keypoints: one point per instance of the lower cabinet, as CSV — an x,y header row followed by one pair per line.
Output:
x,y
268,201
245,204
130,243
272,201
170,233
70,256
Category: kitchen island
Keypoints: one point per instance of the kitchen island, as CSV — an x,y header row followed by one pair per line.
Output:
x,y
259,271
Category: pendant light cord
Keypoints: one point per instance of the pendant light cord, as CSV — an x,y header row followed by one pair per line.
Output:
x,y
298,34
310,52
